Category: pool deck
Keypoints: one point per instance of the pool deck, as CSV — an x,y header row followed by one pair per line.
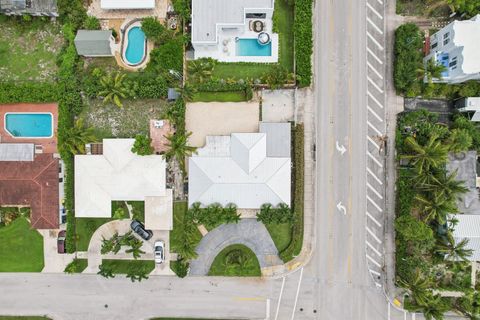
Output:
x,y
49,144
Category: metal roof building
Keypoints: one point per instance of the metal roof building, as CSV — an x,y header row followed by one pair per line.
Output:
x,y
241,169
469,227
94,43
127,4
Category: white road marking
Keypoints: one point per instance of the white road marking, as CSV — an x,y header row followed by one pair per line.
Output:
x,y
373,261
374,272
280,298
378,284
388,313
374,99
375,41
375,129
374,25
374,84
373,235
374,191
380,1
373,142
373,55
373,248
374,204
373,219
375,159
268,310
374,11
374,70
296,296
404,315
340,148
374,113
341,208
374,176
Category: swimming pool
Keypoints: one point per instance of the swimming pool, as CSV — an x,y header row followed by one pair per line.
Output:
x,y
29,125
251,47
136,44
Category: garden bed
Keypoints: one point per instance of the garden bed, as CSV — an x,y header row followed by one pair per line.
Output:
x,y
232,96
125,266
21,247
235,261
178,234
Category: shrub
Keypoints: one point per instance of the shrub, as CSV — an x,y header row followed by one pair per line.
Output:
x,y
276,77
11,92
72,11
280,214
461,122
408,58
76,266
167,57
155,30
180,267
182,7
295,245
303,41
142,145
91,23
214,214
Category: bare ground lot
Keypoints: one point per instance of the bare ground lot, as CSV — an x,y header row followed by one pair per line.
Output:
x,y
111,121
220,118
28,49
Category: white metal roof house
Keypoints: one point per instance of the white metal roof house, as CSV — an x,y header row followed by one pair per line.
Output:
x,y
247,169
127,4
119,174
470,106
468,227
457,47
234,30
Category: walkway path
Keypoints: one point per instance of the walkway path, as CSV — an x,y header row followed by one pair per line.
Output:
x,y
248,232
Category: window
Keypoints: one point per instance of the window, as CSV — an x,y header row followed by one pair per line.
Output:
x,y
434,45
454,58
255,15
452,63
454,68
446,35
445,42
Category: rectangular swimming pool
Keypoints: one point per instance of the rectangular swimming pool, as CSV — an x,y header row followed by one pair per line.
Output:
x,y
29,125
251,47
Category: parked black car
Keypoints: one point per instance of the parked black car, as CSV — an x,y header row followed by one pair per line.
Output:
x,y
139,229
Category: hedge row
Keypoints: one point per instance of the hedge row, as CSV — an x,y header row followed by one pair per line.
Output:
x,y
303,41
29,91
295,245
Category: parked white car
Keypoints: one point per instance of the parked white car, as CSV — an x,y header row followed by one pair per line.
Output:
x,y
159,251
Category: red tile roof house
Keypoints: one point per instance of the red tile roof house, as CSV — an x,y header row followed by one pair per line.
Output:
x,y
27,177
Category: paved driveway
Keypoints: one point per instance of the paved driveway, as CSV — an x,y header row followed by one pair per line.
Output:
x,y
248,232
220,118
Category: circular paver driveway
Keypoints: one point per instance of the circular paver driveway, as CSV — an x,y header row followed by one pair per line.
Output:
x,y
248,232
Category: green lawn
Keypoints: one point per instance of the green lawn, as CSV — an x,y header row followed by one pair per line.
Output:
x,y
28,50
77,266
85,227
281,234
235,261
232,96
177,233
422,8
21,247
240,70
138,210
123,266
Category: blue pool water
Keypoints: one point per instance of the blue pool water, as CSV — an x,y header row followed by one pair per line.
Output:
x,y
136,46
29,125
251,47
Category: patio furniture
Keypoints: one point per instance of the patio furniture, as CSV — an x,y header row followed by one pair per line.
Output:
x,y
226,41
225,49
158,124
258,26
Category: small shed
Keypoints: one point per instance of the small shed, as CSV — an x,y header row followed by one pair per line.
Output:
x,y
94,43
172,94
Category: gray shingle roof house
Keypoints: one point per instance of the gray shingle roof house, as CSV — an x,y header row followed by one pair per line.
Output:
x,y
31,7
247,169
94,43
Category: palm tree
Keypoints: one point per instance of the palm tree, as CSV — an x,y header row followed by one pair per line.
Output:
x,y
459,140
114,89
179,148
469,304
105,271
74,138
187,92
137,274
201,69
418,287
435,207
453,250
432,155
436,308
444,184
135,248
434,70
